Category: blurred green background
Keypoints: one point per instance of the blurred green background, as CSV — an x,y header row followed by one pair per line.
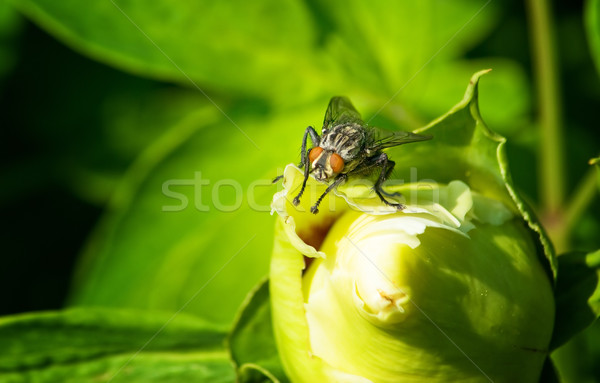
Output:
x,y
103,102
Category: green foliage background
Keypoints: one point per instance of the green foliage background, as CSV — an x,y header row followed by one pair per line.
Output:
x,y
105,101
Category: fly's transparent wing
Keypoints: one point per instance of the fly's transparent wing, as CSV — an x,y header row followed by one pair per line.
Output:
x,y
381,139
341,111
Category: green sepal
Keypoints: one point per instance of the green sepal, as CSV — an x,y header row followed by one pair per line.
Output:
x,y
464,148
251,343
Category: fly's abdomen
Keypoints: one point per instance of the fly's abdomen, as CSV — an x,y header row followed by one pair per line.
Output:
x,y
346,140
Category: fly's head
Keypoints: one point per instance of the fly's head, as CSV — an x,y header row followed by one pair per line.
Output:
x,y
326,164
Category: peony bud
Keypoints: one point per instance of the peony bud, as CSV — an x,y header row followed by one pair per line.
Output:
x,y
449,289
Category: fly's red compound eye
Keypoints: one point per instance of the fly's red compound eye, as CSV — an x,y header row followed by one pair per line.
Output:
x,y
314,153
336,162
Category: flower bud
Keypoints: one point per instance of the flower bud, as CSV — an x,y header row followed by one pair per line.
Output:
x,y
449,289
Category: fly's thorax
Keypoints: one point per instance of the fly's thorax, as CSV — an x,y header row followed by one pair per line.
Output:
x,y
347,140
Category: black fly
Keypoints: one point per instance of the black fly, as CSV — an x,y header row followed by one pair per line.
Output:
x,y
346,147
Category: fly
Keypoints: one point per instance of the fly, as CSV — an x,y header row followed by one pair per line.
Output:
x,y
347,146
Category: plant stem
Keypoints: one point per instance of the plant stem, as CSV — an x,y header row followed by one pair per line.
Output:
x,y
550,114
551,152
584,194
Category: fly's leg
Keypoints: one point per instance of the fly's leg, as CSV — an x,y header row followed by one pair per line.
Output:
x,y
386,168
394,194
304,158
314,137
378,161
338,180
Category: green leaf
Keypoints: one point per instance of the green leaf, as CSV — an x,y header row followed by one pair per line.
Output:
x,y
464,148
152,252
592,24
389,49
130,118
400,36
577,295
251,342
227,45
91,345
